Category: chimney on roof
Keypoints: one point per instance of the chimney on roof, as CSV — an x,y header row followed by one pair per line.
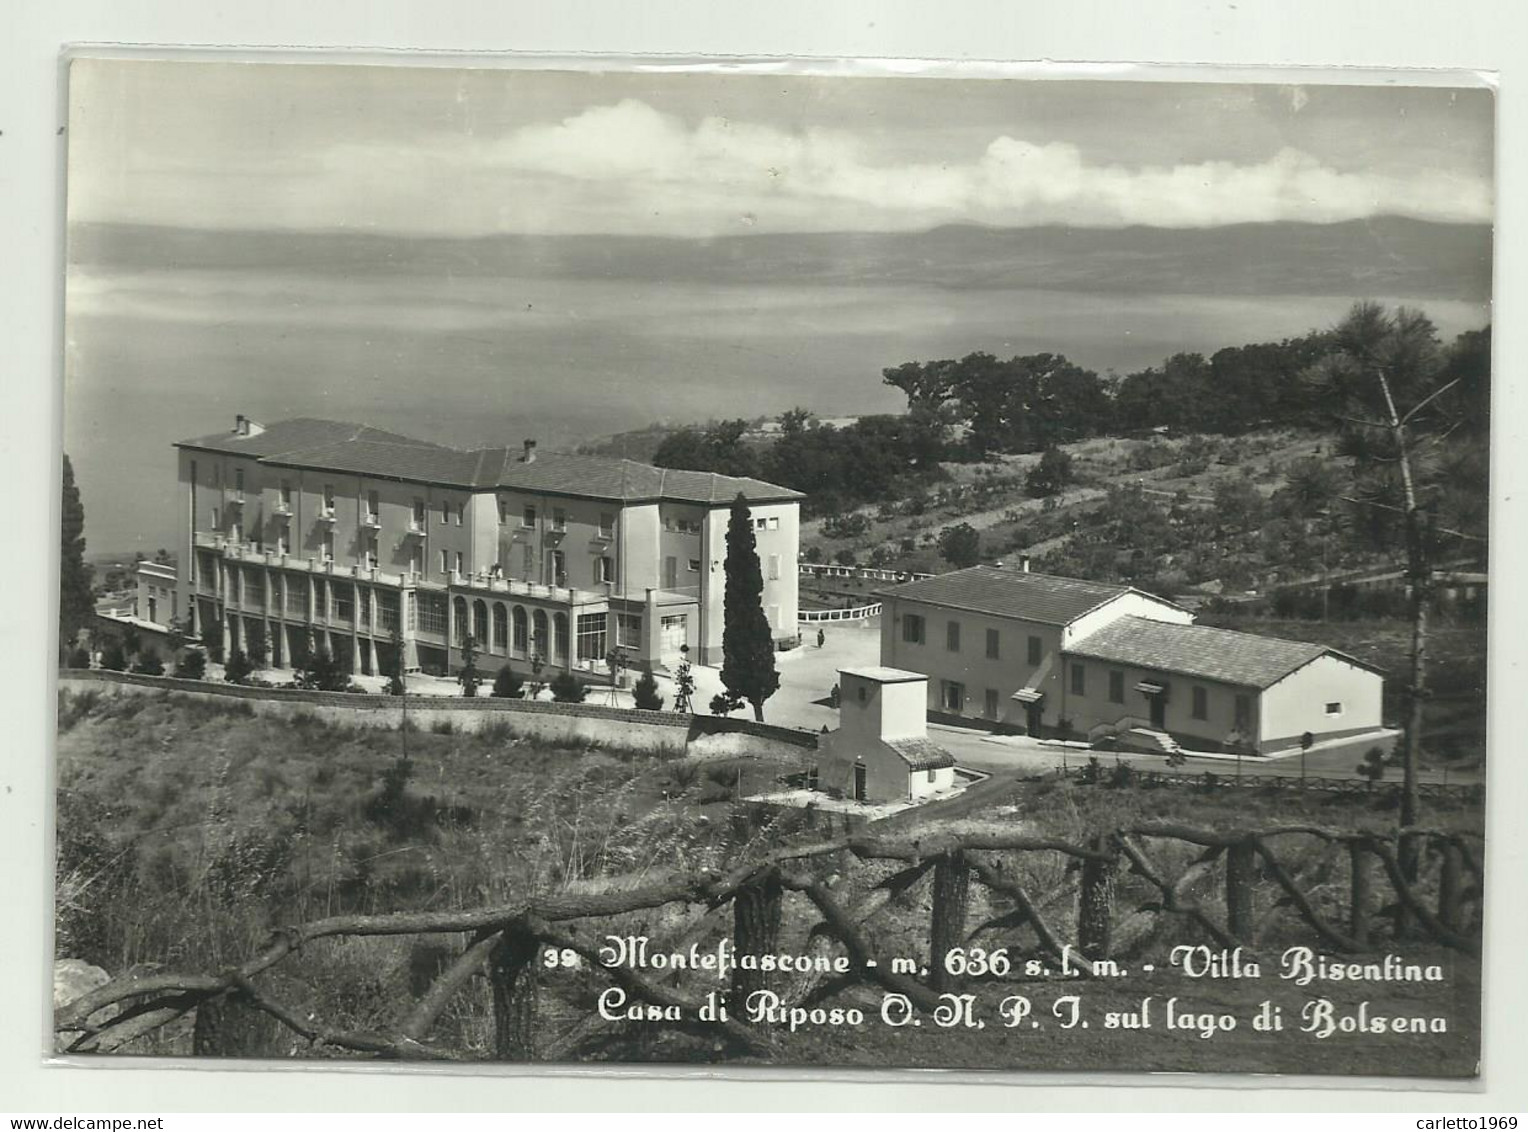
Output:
x,y
530,452
245,426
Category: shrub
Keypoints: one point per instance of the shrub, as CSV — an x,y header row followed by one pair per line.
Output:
x,y
567,690
645,691
507,683
113,659
238,668
192,665
149,664
79,657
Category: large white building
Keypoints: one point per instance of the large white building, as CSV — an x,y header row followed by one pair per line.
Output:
x,y
1059,656
348,535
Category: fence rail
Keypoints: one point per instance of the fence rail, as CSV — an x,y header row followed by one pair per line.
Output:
x,y
858,613
507,942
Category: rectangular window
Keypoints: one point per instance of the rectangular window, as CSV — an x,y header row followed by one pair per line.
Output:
x,y
604,570
445,561
607,524
628,630
912,629
758,524
286,495
1116,687
528,517
328,546
774,567
431,612
527,561
1243,712
363,605
991,703
1036,651
559,519
387,610
373,507
215,516
344,603
233,585
933,774
1079,680
371,550
416,559
591,636
1201,705
694,565
419,514
254,589
1334,708
503,511
328,499
320,599
460,507
297,597
993,645
774,523
459,562
952,696
445,512
952,636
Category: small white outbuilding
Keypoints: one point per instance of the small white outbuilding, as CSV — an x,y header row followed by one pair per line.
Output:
x,y
881,751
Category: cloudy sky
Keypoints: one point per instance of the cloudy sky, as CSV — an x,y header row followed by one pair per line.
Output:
x,y
431,150
478,256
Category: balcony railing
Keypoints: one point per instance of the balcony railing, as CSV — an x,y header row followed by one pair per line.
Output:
x,y
416,527
326,514
283,508
372,520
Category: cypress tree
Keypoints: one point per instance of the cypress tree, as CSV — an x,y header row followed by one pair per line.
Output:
x,y
748,647
75,605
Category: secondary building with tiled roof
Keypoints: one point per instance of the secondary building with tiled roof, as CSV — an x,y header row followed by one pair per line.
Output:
x,y
1077,659
311,533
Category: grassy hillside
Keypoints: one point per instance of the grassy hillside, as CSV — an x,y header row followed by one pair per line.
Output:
x,y
188,832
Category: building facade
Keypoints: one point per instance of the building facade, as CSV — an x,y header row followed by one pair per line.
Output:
x,y
1059,656
313,533
881,751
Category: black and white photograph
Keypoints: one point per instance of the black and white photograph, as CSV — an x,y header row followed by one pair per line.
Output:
x,y
824,569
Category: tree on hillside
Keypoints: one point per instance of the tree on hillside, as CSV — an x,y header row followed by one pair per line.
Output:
x,y
75,605
1399,405
1050,476
960,545
748,647
717,448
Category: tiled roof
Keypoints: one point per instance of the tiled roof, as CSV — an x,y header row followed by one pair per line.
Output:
x,y
1243,659
295,435
1043,598
921,754
361,450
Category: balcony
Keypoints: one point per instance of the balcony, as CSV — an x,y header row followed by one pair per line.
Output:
x,y
416,528
326,514
282,508
373,521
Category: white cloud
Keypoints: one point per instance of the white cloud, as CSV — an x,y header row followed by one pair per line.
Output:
x,y
629,168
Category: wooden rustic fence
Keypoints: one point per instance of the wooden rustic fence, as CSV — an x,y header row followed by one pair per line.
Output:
x,y
845,885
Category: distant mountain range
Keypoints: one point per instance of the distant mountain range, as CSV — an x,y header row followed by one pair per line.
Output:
x,y
1388,256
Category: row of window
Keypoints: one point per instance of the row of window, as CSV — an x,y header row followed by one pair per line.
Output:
x,y
915,632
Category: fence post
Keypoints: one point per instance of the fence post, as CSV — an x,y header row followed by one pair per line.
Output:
x,y
947,929
513,973
755,930
1451,886
1240,865
1358,921
230,1025
1095,902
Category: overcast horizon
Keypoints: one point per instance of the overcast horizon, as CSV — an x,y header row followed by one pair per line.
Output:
x,y
344,304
